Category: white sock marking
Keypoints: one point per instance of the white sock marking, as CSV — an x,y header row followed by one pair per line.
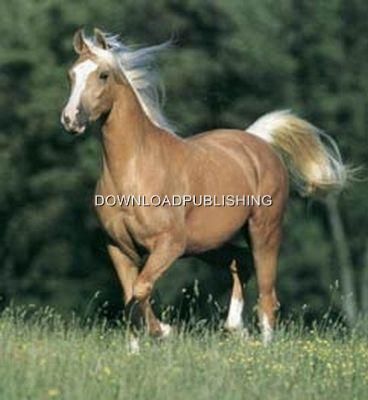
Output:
x,y
266,329
166,329
234,319
133,345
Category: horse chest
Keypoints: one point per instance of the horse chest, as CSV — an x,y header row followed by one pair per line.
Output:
x,y
126,226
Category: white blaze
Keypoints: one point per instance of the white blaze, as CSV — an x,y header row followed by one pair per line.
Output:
x,y
81,71
234,318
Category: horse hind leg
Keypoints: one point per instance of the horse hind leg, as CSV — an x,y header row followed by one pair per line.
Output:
x,y
234,321
265,240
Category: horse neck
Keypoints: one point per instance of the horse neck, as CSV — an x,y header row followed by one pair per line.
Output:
x,y
124,132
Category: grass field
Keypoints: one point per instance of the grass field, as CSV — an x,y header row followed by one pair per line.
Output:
x,y
43,357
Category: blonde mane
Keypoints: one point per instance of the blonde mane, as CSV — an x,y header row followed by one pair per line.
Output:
x,y
137,65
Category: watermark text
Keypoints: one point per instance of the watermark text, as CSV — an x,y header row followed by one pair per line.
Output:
x,y
204,200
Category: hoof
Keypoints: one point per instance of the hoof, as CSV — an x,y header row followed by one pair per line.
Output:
x,y
166,330
133,345
267,338
237,331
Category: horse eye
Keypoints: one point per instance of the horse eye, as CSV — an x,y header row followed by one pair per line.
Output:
x,y
104,75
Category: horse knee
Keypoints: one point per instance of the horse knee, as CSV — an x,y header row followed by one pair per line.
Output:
x,y
142,289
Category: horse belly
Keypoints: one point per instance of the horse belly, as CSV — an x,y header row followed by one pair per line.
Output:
x,y
209,228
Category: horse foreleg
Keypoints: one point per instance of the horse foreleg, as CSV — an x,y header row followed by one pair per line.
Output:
x,y
155,327
164,253
126,270
265,248
127,273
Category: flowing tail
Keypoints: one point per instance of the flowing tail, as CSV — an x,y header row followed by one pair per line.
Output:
x,y
312,157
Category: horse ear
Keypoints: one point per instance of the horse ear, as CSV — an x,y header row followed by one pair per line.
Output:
x,y
100,39
79,42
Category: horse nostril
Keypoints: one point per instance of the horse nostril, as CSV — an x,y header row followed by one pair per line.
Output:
x,y
66,119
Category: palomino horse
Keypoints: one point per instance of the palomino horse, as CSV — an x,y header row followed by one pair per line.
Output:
x,y
143,157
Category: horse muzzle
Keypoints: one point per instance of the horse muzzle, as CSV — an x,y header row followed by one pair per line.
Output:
x,y
76,125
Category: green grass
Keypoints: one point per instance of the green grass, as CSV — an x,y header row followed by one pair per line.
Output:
x,y
43,357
